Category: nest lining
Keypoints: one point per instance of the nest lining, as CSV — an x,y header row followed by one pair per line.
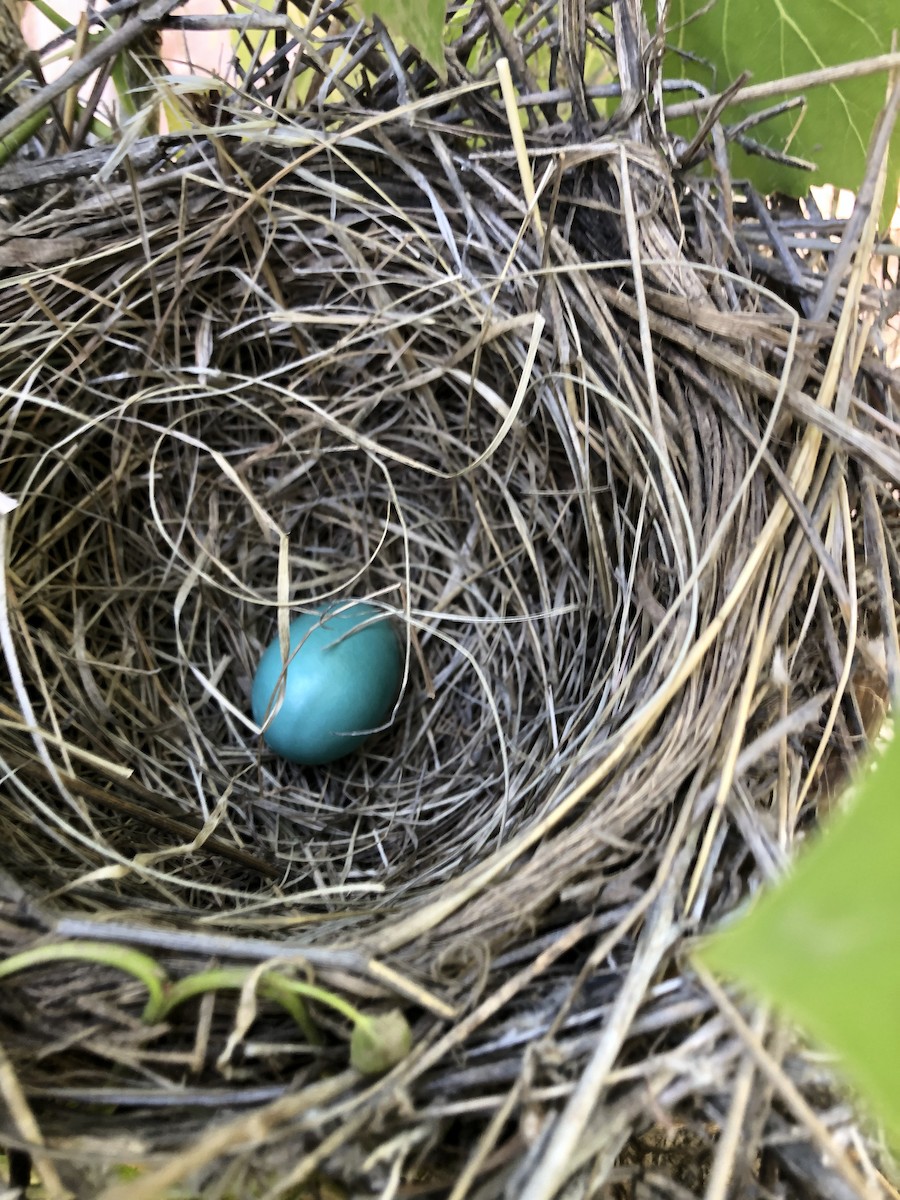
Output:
x,y
337,356
395,459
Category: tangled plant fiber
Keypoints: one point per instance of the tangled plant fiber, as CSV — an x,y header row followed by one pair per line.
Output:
x,y
586,449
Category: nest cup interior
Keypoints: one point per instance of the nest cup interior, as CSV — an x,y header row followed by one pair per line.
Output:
x,y
360,420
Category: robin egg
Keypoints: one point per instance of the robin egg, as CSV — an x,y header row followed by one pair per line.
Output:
x,y
341,681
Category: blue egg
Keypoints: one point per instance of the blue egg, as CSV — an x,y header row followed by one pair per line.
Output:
x,y
342,681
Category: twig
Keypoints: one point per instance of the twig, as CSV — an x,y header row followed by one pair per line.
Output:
x,y
788,1091
24,1120
113,44
790,83
728,1146
555,1164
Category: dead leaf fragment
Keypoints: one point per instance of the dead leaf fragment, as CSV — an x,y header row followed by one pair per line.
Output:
x,y
39,252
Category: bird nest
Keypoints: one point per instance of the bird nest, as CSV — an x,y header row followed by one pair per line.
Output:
x,y
610,446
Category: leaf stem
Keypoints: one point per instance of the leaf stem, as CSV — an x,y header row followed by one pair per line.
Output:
x,y
272,986
123,958
17,137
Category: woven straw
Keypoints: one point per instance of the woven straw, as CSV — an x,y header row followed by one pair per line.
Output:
x,y
609,443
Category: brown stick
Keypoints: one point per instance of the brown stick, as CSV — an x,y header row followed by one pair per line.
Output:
x,y
118,41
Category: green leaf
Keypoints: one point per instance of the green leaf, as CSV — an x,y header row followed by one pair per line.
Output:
x,y
825,944
419,23
379,1043
774,39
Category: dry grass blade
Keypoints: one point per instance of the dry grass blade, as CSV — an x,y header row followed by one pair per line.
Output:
x,y
860,1186
28,1129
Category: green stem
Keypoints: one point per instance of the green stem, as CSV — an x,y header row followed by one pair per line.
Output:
x,y
162,996
271,985
230,978
278,989
52,16
286,992
123,958
311,992
21,134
